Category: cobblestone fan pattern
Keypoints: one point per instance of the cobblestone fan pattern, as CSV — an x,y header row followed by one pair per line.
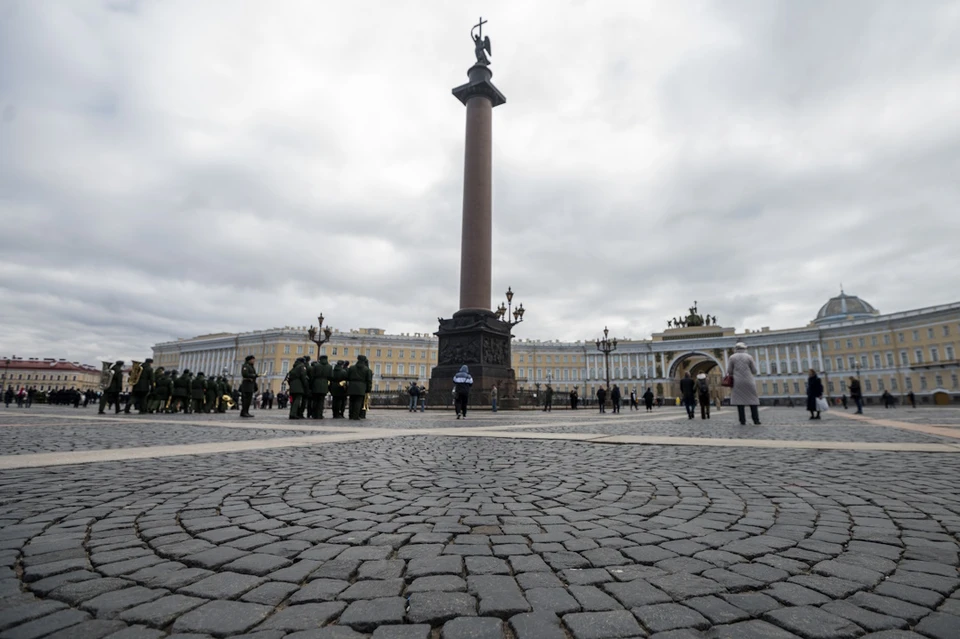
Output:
x,y
37,437
780,425
448,538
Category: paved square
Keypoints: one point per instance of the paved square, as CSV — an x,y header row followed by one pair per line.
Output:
x,y
525,525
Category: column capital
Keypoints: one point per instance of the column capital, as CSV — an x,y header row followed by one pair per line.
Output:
x,y
479,86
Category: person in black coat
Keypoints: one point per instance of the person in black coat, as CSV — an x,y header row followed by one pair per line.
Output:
x,y
602,398
688,389
814,392
615,398
648,399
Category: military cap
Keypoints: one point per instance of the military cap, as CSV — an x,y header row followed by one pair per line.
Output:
x,y
248,358
119,361
149,360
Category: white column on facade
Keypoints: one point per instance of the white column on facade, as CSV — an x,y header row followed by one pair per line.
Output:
x,y
766,356
796,348
776,353
725,363
820,356
663,366
809,355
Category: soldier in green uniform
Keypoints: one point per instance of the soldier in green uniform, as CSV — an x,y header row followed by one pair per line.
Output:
x,y
320,385
162,389
299,383
198,387
249,384
366,362
210,401
112,392
223,388
338,390
143,387
357,380
181,393
306,406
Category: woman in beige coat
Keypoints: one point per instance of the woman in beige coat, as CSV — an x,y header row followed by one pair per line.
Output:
x,y
744,391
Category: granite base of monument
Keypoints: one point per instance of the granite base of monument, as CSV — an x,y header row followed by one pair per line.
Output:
x,y
482,342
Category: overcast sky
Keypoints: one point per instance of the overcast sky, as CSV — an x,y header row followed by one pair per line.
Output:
x,y
182,167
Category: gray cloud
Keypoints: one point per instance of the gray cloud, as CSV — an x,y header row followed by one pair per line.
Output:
x,y
177,168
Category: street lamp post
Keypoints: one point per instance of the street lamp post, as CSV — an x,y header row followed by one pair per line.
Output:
x,y
508,310
606,346
314,334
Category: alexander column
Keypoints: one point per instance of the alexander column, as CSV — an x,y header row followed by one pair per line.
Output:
x,y
476,336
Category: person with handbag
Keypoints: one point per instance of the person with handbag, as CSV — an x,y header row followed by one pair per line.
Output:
x,y
741,370
814,394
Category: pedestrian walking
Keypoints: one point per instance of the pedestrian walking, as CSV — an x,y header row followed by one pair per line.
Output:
x,y
742,369
573,399
494,395
548,399
648,399
615,398
414,393
814,394
602,398
688,390
462,382
856,395
843,400
703,395
913,399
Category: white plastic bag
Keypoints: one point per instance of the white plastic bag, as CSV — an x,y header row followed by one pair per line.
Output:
x,y
822,405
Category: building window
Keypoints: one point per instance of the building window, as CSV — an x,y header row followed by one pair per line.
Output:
x,y
763,368
903,359
849,343
929,333
826,364
893,383
423,354
376,369
873,340
773,368
378,352
776,388
955,380
830,387
843,386
400,354
908,383
863,361
310,351
286,350
886,338
333,350
539,373
323,350
852,361
876,360
796,387
918,356
900,337
399,369
879,384
839,363
836,345
389,369
946,331
890,359
934,354
949,349
423,370
389,352
923,382
764,386
939,381
284,366
346,351
861,342
916,336
868,385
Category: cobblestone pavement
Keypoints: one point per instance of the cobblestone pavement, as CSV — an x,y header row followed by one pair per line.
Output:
x,y
419,534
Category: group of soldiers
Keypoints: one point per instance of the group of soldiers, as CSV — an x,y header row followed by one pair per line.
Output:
x,y
163,391
309,384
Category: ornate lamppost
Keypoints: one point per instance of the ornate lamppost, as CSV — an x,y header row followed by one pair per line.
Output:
x,y
314,334
607,346
508,310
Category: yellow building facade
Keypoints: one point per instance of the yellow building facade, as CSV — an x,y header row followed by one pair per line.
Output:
x,y
47,374
910,351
